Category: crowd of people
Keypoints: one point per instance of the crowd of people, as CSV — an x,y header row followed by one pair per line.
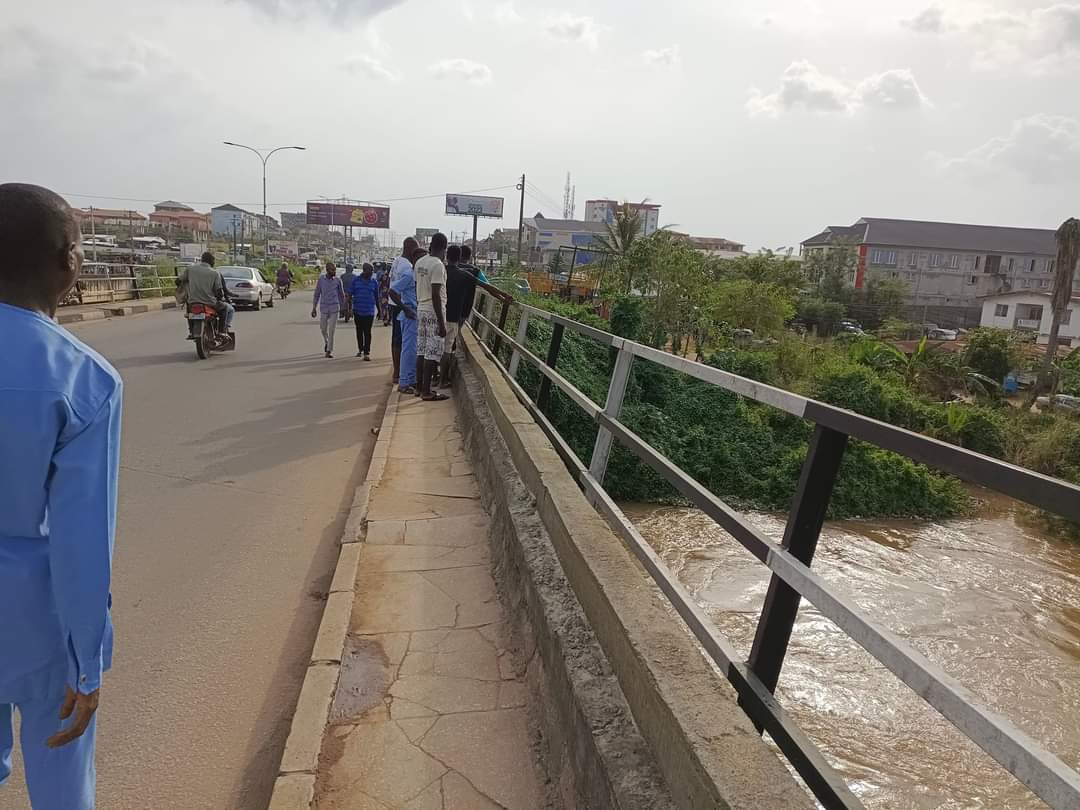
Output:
x,y
425,296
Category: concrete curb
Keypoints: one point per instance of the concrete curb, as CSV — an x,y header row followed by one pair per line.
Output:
x,y
103,311
294,788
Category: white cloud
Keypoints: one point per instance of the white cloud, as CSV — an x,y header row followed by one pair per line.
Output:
x,y
466,69
1040,148
370,67
928,21
803,85
337,10
507,14
569,28
892,90
662,57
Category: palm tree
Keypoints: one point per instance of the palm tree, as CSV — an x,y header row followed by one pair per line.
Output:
x,y
1068,244
619,236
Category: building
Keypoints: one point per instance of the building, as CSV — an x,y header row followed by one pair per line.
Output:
x,y
1031,311
225,219
545,237
606,210
171,216
948,267
267,223
91,218
714,247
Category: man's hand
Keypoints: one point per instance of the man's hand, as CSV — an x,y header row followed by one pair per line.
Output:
x,y
313,312
442,329
84,707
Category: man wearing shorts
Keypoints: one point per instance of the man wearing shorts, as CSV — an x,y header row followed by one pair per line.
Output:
x,y
431,328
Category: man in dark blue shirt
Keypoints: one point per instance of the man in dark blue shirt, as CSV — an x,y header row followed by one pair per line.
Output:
x,y
364,292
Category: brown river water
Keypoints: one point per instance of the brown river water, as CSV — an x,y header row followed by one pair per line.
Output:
x,y
992,600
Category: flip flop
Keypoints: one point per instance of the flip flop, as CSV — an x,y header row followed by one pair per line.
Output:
x,y
408,390
435,398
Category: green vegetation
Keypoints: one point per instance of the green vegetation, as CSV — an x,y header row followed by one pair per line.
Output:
x,y
750,454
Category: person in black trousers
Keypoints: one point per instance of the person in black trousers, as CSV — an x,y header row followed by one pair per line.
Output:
x,y
364,292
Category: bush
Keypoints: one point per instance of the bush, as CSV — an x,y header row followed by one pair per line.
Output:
x,y
990,352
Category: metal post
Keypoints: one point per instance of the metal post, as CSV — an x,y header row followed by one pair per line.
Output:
x,y
613,406
475,219
808,509
543,397
93,232
504,310
522,336
521,215
266,230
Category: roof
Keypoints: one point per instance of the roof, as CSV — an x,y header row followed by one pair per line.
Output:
x,y
617,203
173,205
543,223
1011,293
110,213
231,207
941,235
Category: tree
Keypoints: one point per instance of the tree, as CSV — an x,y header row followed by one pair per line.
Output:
x,y
833,270
880,300
1068,244
556,263
764,268
619,237
990,352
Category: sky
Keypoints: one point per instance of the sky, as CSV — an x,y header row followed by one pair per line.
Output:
x,y
761,122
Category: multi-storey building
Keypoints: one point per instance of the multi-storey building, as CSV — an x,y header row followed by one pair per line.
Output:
x,y
606,210
227,219
544,237
946,266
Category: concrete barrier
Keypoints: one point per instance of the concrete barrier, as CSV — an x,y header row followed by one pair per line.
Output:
x,y
634,715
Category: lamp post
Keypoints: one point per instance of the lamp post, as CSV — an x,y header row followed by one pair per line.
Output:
x,y
264,158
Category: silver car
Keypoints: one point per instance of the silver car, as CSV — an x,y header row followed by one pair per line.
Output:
x,y
246,287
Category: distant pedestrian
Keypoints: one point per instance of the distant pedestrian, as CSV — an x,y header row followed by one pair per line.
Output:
x,y
364,294
328,302
346,284
398,266
430,297
403,294
59,466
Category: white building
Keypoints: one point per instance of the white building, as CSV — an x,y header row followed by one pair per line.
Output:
x,y
1030,311
545,238
606,210
225,219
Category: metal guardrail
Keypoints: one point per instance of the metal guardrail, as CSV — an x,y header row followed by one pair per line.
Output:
x,y
117,282
792,580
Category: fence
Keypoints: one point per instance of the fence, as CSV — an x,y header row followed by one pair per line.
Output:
x,y
108,283
792,579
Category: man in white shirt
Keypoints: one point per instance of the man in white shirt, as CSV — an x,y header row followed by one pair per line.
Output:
x,y
430,283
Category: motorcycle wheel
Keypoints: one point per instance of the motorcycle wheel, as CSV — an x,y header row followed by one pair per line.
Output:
x,y
204,342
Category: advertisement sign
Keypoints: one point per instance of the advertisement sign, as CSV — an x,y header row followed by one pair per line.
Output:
x,y
358,216
284,248
426,233
471,206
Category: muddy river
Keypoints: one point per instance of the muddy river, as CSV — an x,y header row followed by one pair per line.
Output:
x,y
992,600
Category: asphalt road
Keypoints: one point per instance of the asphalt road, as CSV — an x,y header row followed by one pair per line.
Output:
x,y
237,475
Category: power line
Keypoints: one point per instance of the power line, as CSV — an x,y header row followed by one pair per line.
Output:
x,y
275,204
549,200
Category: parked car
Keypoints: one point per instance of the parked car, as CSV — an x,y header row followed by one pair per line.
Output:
x,y
1063,401
247,287
853,325
941,334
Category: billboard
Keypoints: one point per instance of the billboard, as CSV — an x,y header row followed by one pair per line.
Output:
x,y
284,248
359,216
471,206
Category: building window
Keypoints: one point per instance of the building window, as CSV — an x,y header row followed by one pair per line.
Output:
x,y
893,274
977,258
1066,317
973,279
913,259
1044,283
1050,265
935,260
954,261
887,257
1025,282
1031,266
909,276
1001,311
1010,264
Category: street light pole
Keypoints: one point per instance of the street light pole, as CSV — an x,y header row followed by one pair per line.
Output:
x,y
264,159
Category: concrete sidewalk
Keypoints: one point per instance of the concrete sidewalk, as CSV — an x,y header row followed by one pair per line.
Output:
x,y
98,312
430,710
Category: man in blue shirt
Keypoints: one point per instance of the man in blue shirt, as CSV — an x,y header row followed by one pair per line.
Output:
x,y
59,461
403,293
364,292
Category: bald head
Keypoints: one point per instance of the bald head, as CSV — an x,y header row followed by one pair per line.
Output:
x,y
42,246
408,246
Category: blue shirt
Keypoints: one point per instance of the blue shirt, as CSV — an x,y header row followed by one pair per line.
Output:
x,y
365,295
405,286
329,294
59,464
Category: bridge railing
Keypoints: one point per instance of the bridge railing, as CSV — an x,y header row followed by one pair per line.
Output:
x,y
789,562
101,283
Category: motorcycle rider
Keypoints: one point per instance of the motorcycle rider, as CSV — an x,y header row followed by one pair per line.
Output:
x,y
204,285
285,277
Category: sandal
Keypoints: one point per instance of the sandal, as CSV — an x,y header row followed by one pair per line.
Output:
x,y
407,390
435,398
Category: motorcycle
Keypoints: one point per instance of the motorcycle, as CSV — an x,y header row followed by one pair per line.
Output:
x,y
206,328
283,291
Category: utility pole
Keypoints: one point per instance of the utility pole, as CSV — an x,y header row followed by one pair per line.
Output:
x,y
93,233
474,220
521,215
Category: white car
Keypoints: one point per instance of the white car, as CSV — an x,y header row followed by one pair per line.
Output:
x,y
246,287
